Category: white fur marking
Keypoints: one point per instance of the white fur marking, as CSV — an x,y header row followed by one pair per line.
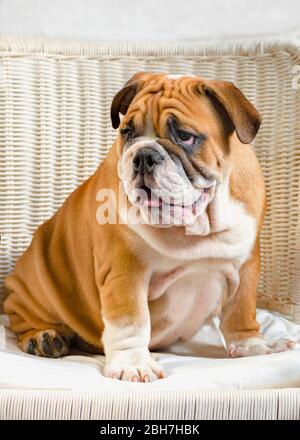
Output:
x,y
127,353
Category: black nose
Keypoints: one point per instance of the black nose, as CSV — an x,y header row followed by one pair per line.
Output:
x,y
146,159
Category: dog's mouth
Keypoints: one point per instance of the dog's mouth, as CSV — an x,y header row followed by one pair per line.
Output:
x,y
148,198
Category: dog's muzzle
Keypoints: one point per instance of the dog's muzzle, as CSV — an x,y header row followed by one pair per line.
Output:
x,y
157,183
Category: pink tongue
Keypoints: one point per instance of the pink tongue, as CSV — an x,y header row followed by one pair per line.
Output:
x,y
152,202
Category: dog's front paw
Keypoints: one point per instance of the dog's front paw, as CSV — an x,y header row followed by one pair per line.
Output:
x,y
145,370
257,346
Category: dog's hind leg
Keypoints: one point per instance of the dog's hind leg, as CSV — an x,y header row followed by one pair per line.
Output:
x,y
47,343
35,328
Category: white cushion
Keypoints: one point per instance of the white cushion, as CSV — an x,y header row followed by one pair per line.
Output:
x,y
199,364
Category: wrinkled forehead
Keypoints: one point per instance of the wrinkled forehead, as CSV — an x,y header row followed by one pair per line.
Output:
x,y
164,96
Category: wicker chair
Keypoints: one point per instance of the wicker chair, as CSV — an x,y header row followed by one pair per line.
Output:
x,y
55,130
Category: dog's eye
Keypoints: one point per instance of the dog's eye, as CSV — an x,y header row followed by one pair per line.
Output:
x,y
126,131
186,138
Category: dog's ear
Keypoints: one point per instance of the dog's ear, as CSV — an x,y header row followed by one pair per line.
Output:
x,y
233,105
123,98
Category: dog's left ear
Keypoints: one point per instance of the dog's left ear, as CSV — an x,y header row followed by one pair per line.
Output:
x,y
123,98
243,116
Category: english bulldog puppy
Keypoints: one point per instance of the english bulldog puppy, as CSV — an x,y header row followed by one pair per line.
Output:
x,y
187,199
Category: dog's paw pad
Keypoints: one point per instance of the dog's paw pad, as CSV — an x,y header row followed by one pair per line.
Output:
x,y
258,346
147,372
47,343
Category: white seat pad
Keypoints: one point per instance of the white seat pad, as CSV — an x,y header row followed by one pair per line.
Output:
x,y
199,364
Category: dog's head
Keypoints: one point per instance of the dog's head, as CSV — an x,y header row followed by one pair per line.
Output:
x,y
174,141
